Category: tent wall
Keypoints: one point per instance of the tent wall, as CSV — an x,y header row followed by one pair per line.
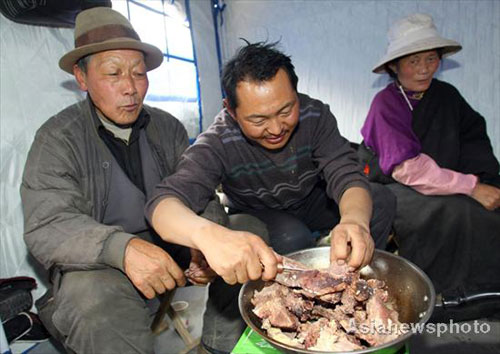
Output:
x,y
33,88
206,57
335,44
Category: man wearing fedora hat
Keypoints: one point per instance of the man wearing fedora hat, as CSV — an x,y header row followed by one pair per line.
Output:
x,y
433,151
88,175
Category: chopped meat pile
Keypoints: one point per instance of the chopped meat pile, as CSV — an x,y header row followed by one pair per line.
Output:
x,y
326,310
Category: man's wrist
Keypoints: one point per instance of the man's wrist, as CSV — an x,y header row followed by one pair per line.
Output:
x,y
113,253
206,233
355,221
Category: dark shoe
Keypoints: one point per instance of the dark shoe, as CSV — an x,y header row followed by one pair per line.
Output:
x,y
13,302
15,296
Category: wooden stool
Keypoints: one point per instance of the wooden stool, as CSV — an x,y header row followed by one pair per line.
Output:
x,y
159,325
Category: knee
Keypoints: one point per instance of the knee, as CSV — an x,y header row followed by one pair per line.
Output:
x,y
284,233
290,236
384,213
249,223
383,199
384,204
88,300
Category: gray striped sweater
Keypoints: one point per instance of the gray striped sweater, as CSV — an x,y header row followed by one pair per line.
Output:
x,y
253,177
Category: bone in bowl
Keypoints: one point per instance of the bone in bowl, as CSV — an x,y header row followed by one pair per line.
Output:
x,y
409,287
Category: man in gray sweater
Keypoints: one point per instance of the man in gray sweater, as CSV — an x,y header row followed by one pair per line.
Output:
x,y
279,156
88,175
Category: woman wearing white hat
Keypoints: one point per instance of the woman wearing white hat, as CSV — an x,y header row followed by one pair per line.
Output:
x,y
433,150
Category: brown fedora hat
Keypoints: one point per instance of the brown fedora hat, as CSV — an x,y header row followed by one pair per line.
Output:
x,y
99,29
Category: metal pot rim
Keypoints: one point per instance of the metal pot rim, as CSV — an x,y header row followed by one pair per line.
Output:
x,y
396,343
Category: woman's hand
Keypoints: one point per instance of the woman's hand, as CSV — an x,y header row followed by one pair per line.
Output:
x,y
487,195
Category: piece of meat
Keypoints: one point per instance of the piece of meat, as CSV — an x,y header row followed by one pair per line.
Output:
x,y
377,310
376,283
360,316
328,313
270,304
281,306
362,291
289,338
348,301
309,332
325,335
382,322
299,306
316,282
332,298
269,291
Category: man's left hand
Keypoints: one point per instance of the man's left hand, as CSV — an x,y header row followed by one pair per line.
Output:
x,y
351,243
151,269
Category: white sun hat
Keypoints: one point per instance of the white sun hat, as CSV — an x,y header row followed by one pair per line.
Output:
x,y
414,34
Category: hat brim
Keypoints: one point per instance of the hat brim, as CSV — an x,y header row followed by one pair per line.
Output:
x,y
448,47
153,57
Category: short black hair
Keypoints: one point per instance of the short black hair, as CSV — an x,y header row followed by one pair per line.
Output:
x,y
256,62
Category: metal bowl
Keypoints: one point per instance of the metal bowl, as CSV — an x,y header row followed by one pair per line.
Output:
x,y
411,289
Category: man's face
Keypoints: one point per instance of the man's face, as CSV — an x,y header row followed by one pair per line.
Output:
x,y
415,72
267,111
116,81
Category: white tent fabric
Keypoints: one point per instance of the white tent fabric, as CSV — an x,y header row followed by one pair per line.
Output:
x,y
32,88
335,44
206,57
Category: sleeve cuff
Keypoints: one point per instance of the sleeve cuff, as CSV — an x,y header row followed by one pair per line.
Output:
x,y
114,249
471,183
150,208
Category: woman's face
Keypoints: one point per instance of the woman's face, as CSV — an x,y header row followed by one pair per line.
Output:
x,y
415,71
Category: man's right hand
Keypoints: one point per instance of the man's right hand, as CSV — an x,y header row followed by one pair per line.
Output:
x,y
488,196
238,256
151,269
